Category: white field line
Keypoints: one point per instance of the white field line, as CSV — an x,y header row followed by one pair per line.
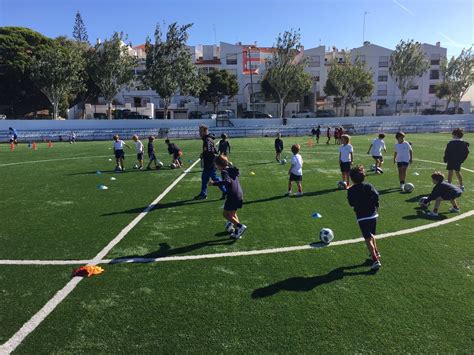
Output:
x,y
52,160
438,162
240,253
36,320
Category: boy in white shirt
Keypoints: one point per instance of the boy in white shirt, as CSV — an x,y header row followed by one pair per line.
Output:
x,y
346,157
296,170
375,150
118,152
139,148
403,156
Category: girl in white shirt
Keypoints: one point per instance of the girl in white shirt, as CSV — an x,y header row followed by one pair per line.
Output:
x,y
375,150
346,157
403,156
296,170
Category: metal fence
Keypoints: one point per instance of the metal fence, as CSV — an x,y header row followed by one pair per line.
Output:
x,y
254,131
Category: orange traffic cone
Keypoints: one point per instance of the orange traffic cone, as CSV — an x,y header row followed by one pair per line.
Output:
x,y
12,146
50,144
310,142
34,146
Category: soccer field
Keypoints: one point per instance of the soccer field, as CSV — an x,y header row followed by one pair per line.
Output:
x,y
181,285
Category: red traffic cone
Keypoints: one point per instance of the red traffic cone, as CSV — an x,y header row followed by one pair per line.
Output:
x,y
50,144
34,146
12,146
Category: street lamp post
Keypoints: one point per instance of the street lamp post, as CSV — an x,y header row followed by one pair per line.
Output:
x,y
251,83
363,27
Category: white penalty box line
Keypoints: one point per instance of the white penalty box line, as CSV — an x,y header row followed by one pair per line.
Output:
x,y
49,307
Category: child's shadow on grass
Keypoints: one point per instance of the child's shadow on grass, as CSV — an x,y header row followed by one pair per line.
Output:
x,y
415,198
279,197
165,250
160,206
305,284
390,191
421,215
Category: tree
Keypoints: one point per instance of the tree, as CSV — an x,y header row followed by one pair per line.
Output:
x,y
17,48
169,66
458,76
406,63
57,72
285,71
111,67
351,82
220,84
79,32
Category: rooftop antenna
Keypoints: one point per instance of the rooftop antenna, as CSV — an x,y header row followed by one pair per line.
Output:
x,y
363,27
215,35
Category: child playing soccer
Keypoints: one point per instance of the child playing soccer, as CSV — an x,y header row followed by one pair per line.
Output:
x,y
365,200
175,152
455,154
278,147
375,150
328,134
318,134
119,153
234,194
296,170
442,191
403,156
151,152
13,135
224,145
346,157
139,148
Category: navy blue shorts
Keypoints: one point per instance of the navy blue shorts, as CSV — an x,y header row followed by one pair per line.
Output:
x,y
368,227
345,167
402,163
452,165
152,156
278,151
378,157
232,204
119,154
294,177
453,195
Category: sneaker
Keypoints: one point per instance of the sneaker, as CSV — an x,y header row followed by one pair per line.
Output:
x,y
454,210
462,187
402,187
140,168
376,265
238,232
288,193
431,214
200,197
378,170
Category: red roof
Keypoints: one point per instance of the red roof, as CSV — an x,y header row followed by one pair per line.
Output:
x,y
209,61
141,46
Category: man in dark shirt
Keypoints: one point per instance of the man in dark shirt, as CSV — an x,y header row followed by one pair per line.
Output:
x,y
442,191
278,148
455,154
365,200
209,168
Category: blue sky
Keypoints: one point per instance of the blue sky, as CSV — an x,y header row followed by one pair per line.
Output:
x,y
328,22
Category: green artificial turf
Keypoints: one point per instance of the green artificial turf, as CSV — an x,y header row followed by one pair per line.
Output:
x,y
308,301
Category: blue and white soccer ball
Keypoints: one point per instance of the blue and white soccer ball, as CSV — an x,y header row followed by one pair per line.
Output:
x,y
408,187
326,235
424,203
373,167
342,185
159,164
283,162
173,166
229,227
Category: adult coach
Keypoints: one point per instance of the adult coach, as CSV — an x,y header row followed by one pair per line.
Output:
x,y
209,169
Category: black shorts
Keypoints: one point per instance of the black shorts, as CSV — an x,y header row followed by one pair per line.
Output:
x,y
452,165
278,151
297,178
119,154
368,227
152,156
177,155
378,157
402,163
345,167
232,204
453,195
140,156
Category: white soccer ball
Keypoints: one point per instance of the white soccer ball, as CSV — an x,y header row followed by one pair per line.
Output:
x,y
229,227
283,162
159,164
135,166
326,235
342,185
172,165
408,187
424,203
373,167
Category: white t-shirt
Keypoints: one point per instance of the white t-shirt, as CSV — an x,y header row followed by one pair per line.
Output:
x,y
139,146
403,152
377,146
118,145
297,165
346,151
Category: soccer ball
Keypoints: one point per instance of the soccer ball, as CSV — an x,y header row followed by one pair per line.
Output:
x,y
283,162
423,202
408,187
326,235
159,164
342,185
135,166
229,227
373,167
172,165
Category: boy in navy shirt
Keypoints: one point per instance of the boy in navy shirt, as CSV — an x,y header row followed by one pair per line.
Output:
x,y
455,154
365,200
174,150
151,152
224,145
278,148
442,191
234,194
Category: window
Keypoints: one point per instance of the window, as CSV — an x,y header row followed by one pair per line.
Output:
x,y
383,76
432,89
414,87
383,62
381,103
362,58
434,74
435,58
314,61
382,90
316,77
231,59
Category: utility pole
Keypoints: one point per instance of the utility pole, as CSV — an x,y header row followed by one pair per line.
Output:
x,y
251,83
363,27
